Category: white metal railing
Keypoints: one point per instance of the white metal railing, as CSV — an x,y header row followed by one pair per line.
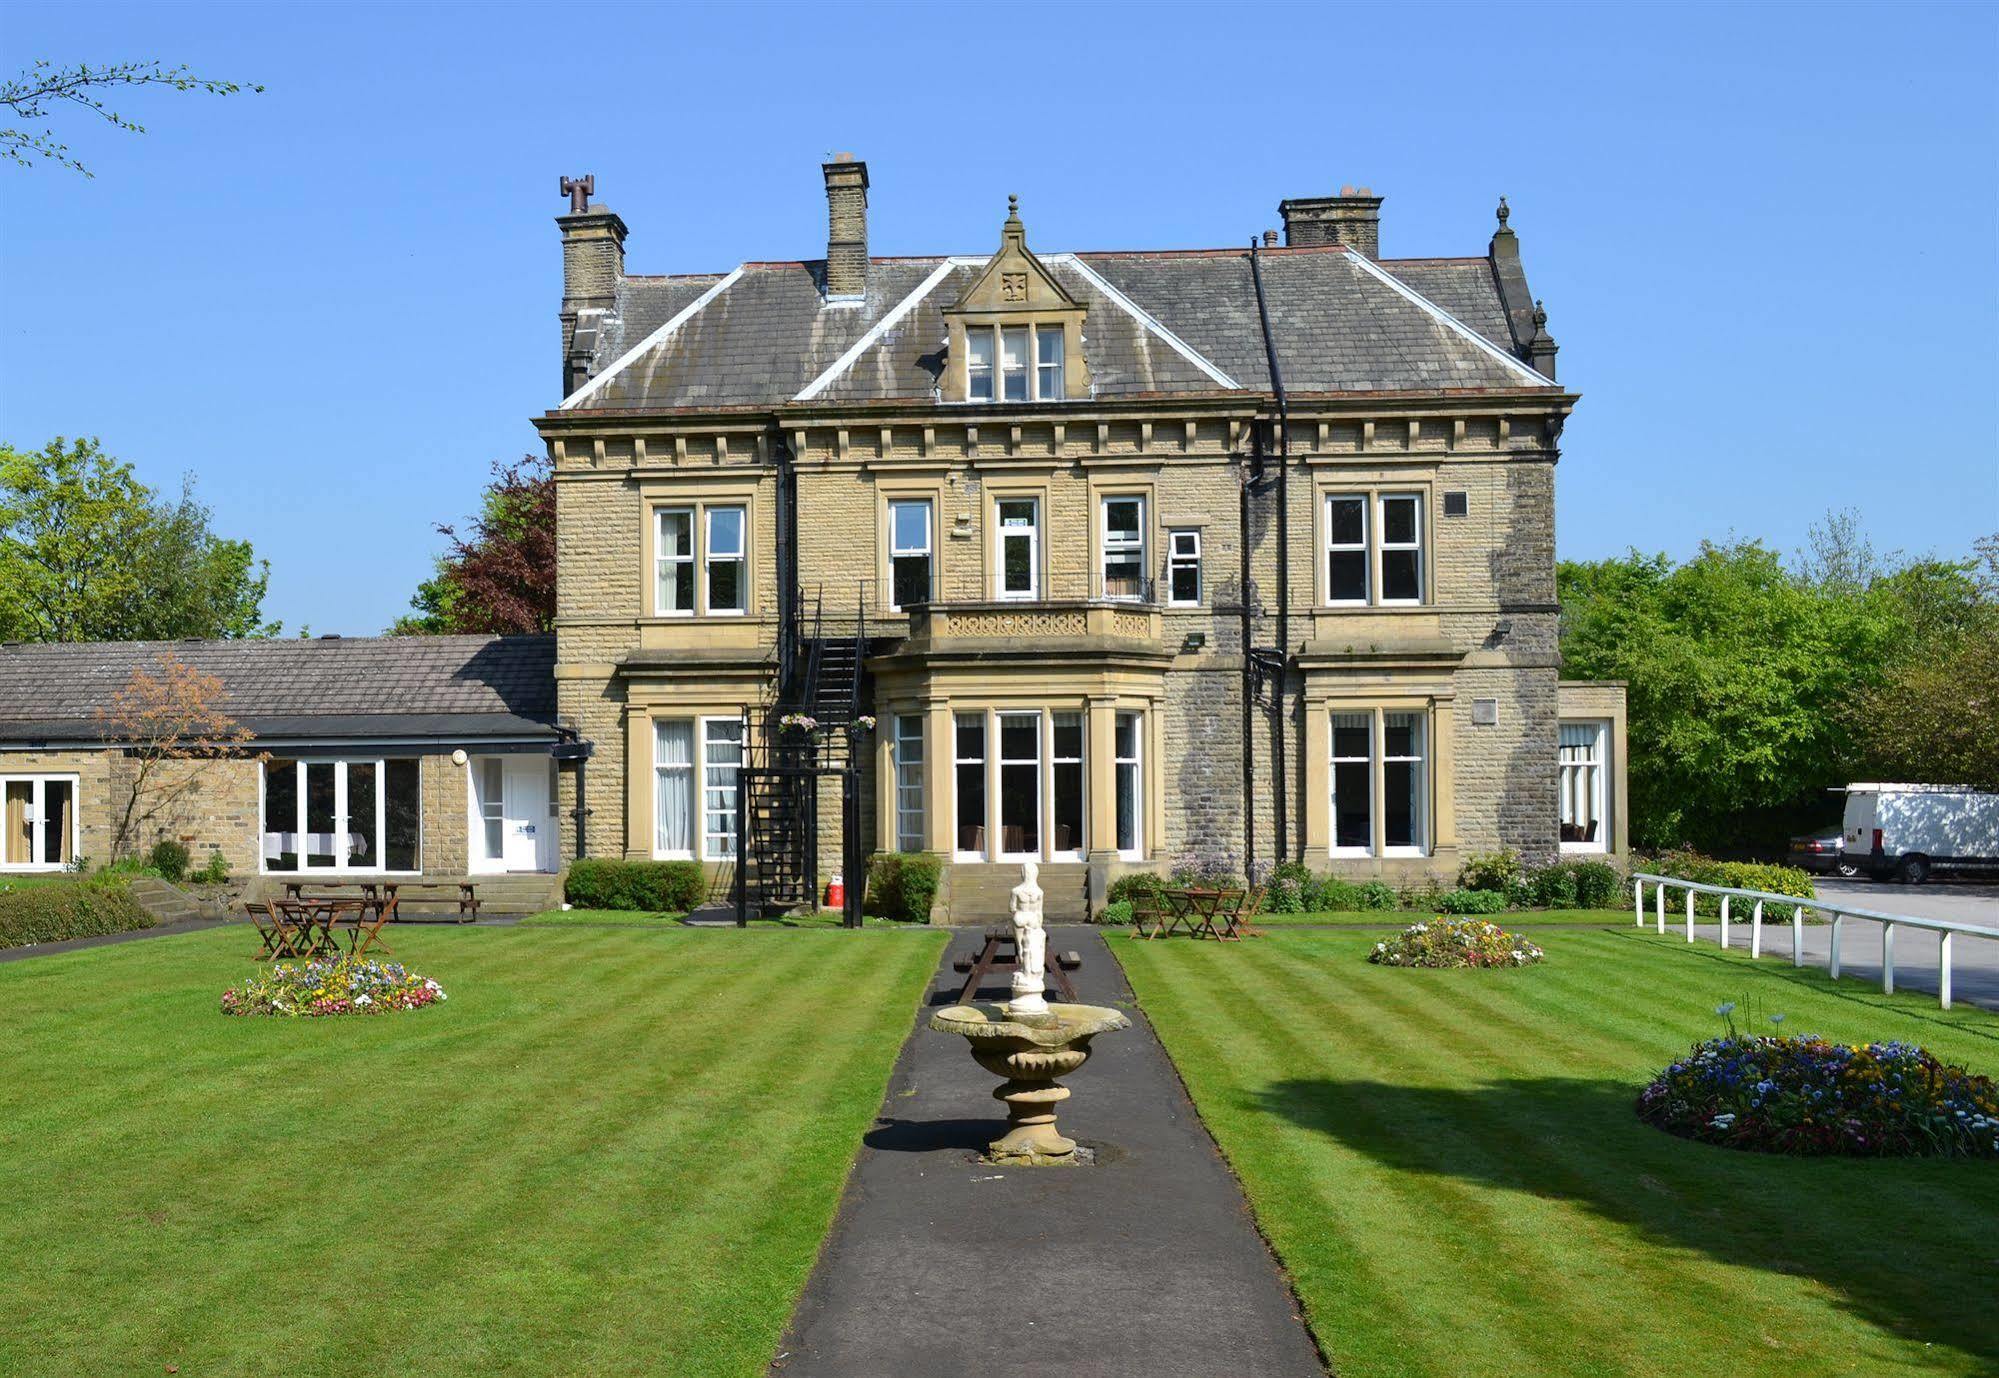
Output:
x,y
1838,913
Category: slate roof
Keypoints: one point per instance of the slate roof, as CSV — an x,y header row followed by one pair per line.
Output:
x,y
334,687
1342,324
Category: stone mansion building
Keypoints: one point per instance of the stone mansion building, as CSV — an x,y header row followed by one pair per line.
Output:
x,y
1109,560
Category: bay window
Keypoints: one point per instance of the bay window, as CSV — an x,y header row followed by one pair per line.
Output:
x,y
1580,783
1065,778
1020,784
342,815
909,811
970,774
909,552
1130,785
38,822
1124,547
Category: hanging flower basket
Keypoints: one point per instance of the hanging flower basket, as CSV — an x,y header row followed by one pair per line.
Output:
x,y
864,723
799,724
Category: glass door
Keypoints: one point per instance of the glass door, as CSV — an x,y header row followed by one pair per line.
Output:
x,y
1020,786
37,822
1020,548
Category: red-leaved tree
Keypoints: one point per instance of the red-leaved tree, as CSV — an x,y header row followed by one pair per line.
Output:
x,y
499,577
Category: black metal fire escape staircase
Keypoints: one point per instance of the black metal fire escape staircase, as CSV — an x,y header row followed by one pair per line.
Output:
x,y
807,730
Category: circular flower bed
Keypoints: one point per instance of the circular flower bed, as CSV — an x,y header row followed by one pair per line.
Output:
x,y
1442,942
1803,1095
349,985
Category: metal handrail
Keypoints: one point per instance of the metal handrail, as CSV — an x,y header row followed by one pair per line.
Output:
x,y
1838,913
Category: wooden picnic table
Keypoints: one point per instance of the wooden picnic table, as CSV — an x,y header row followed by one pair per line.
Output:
x,y
464,892
1219,914
309,925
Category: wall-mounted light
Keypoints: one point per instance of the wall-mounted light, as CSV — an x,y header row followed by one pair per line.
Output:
x,y
1194,641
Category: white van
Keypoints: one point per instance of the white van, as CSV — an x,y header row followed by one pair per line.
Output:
x,y
1911,832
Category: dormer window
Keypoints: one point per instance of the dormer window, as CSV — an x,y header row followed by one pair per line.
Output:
x,y
1030,363
1048,367
979,365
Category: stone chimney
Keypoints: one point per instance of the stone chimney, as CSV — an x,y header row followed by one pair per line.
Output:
x,y
1352,218
846,228
593,267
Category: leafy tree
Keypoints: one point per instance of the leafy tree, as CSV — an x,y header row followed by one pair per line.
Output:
x,y
1744,675
89,553
501,577
32,94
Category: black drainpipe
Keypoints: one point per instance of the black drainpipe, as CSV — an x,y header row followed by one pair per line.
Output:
x,y
1248,669
1281,802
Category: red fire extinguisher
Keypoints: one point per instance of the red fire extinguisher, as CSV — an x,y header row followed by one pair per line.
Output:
x,y
836,893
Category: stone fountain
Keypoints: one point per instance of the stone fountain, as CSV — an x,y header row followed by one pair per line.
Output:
x,y
1029,1042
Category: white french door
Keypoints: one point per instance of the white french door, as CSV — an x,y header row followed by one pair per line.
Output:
x,y
37,822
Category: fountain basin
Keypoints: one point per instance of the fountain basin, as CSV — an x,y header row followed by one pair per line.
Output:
x,y
1028,1052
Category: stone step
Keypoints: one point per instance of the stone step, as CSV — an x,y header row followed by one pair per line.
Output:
x,y
979,891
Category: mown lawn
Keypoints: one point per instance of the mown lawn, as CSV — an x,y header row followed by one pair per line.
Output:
x,y
640,918
1449,1164
608,1152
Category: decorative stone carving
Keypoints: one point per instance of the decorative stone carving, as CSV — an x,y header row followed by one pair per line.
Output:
x,y
1030,946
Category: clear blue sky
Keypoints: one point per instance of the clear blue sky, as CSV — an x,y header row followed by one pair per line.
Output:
x,y
1767,237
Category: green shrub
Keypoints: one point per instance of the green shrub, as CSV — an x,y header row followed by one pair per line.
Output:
x,y
1331,895
1377,894
214,871
658,887
1687,864
1134,885
1472,902
168,858
902,885
1285,895
1598,885
1498,870
1555,887
1117,912
69,909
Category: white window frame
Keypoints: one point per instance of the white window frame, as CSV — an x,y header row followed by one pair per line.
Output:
x,y
663,563
689,771
897,551
1129,765
726,850
38,783
909,762
340,766
997,796
1023,369
1081,760
1033,536
981,375
740,557
1331,547
984,761
1420,821
1383,545
1131,549
1334,761
1181,556
1050,383
1570,775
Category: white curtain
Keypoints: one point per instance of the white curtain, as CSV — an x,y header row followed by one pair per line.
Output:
x,y
673,787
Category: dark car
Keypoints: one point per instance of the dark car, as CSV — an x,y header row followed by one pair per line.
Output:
x,y
1819,853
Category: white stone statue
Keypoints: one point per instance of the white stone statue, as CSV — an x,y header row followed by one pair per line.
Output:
x,y
1030,946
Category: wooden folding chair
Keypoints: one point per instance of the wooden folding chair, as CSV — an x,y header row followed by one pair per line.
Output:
x,y
363,933
283,934
1147,915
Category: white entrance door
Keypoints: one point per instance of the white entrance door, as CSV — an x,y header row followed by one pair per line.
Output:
x,y
512,815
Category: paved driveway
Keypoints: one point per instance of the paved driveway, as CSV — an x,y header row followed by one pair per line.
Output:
x,y
1964,901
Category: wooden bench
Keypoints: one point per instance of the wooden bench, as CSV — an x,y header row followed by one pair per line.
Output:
x,y
463,894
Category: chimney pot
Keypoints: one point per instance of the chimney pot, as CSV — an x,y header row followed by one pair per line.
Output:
x,y
1270,239
1352,218
846,227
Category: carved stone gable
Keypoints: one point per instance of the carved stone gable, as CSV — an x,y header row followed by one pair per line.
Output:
x,y
1015,288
